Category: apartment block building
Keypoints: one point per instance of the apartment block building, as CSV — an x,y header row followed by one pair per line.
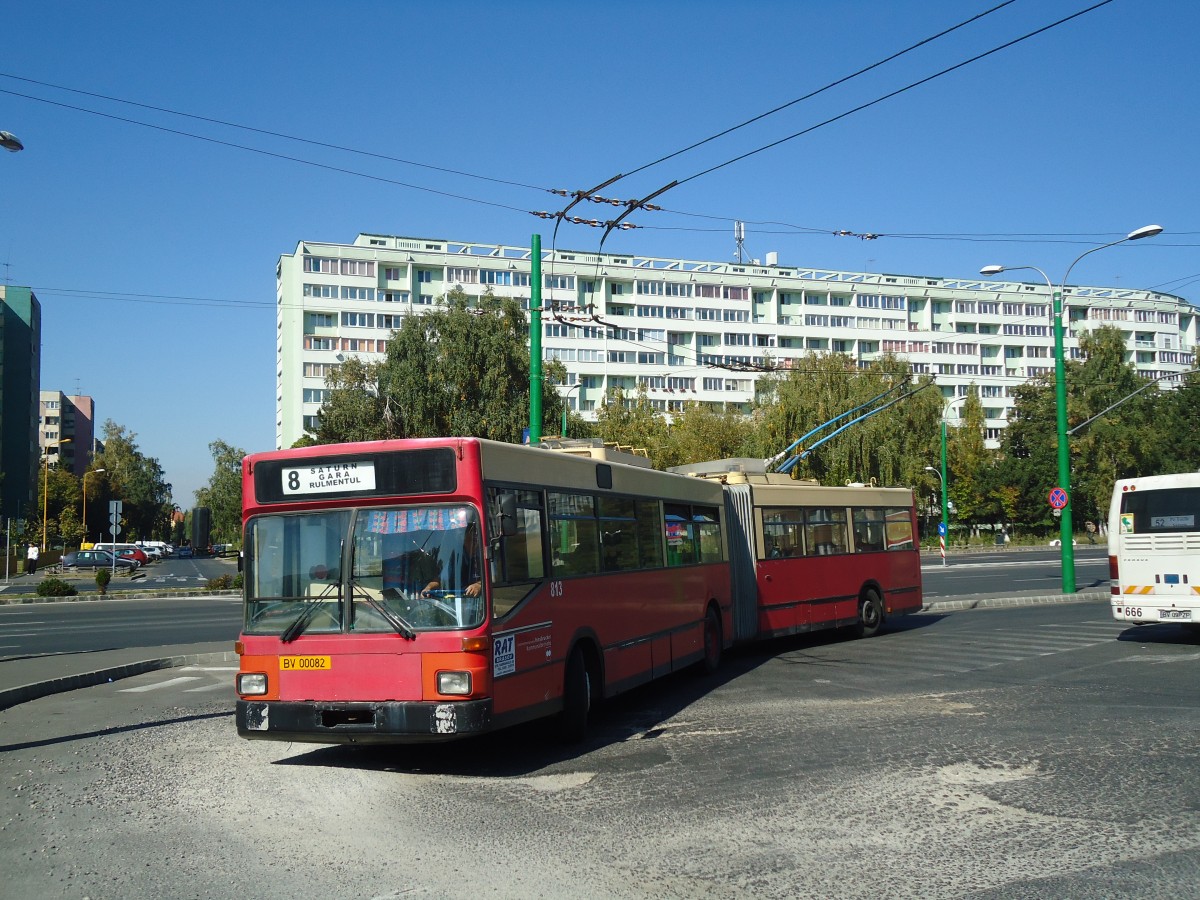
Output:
x,y
695,330
20,371
67,429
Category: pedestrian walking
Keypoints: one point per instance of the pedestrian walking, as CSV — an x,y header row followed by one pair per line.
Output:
x,y
31,559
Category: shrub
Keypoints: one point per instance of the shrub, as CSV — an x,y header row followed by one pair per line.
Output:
x,y
103,577
238,581
56,587
220,583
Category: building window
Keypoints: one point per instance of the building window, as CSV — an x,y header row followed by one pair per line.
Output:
x,y
324,291
424,276
394,274
357,267
358,293
321,265
319,320
461,275
358,320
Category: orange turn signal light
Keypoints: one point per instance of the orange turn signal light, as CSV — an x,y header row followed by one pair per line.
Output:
x,y
239,648
475,644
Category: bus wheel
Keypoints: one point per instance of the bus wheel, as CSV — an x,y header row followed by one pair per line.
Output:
x,y
712,642
577,699
870,615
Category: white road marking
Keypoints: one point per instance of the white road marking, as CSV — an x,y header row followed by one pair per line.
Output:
x,y
170,682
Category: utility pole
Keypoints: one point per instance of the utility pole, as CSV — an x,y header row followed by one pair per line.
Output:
x,y
535,343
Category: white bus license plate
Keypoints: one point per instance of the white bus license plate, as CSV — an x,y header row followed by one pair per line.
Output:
x,y
1179,615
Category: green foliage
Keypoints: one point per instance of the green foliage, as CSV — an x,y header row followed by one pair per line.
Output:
x,y
55,587
893,447
702,432
633,422
134,479
461,368
223,493
103,577
1141,436
970,466
220,583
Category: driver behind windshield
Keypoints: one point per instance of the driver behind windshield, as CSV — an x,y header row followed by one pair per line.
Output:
x,y
463,567
411,565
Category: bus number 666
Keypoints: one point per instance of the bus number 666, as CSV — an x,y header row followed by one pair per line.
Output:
x,y
1133,611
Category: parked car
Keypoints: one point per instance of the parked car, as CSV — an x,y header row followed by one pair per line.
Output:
x,y
95,559
135,554
152,552
184,553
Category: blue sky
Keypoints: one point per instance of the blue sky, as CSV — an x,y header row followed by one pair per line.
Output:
x,y
153,253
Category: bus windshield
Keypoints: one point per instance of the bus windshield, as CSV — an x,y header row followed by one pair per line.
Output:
x,y
1162,510
402,569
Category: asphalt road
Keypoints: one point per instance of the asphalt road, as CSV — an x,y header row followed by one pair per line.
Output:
x,y
1011,571
1037,752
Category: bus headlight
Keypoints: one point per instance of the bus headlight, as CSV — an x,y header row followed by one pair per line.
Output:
x,y
252,684
454,682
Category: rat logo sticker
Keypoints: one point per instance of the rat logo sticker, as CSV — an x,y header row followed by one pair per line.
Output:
x,y
504,655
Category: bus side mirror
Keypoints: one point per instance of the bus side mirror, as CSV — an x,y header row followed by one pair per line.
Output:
x,y
508,514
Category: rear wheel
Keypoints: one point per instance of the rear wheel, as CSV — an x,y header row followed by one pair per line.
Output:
x,y
577,699
870,615
712,642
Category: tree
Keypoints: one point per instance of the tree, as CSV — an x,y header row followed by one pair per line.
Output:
x,y
893,446
1128,440
633,422
223,493
702,432
134,479
970,465
459,369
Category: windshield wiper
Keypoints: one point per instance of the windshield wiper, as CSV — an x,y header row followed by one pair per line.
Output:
x,y
402,627
310,609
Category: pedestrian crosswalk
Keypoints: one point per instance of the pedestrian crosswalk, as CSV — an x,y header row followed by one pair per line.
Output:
x,y
937,652
199,680
940,652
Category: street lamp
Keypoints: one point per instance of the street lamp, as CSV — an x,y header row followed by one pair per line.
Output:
x,y
1060,394
10,142
945,500
565,395
85,478
46,485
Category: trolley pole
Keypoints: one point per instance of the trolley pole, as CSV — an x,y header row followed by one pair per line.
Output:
x,y
535,342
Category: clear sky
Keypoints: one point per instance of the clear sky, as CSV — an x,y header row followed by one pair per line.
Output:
x,y
154,253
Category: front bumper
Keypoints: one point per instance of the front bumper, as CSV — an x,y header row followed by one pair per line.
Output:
x,y
390,722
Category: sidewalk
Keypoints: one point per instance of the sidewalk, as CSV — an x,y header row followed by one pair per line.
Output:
x,y
29,678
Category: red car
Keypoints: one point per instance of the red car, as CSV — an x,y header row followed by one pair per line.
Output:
x,y
135,554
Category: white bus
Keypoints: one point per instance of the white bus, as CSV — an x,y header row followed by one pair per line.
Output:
x,y
1154,549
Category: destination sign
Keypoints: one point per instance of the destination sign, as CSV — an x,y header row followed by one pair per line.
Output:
x,y
332,478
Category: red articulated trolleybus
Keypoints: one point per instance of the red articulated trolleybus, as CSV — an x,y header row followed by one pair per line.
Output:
x,y
415,590
805,557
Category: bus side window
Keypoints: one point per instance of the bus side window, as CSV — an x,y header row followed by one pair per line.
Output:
x,y
516,559
680,534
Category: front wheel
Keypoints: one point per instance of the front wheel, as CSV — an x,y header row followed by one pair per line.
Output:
x,y
577,699
870,615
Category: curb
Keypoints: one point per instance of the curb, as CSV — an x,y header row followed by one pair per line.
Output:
x,y
122,595
23,694
999,602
